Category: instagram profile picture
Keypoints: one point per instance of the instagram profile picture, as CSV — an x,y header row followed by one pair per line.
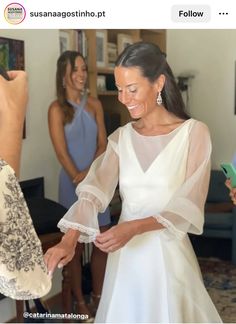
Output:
x,y
14,13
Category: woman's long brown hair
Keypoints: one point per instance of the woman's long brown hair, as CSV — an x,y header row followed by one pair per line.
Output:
x,y
65,58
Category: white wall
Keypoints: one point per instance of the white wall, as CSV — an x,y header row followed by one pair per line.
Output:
x,y
211,54
38,157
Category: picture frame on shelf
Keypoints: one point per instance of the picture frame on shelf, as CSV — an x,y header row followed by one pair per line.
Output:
x,y
123,40
68,40
101,48
101,83
12,56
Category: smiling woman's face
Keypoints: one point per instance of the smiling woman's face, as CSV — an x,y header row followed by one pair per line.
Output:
x,y
135,91
77,79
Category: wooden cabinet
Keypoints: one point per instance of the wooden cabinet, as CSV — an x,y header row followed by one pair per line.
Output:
x,y
112,107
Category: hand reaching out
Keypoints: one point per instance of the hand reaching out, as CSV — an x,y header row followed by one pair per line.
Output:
x,y
14,96
63,252
232,193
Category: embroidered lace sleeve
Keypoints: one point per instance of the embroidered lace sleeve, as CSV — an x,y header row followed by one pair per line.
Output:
x,y
94,194
185,211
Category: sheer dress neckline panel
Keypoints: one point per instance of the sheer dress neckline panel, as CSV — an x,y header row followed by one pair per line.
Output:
x,y
131,124
148,148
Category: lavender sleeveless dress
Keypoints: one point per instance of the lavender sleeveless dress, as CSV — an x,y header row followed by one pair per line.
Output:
x,y
81,138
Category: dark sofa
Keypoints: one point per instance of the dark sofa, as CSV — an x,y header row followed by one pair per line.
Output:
x,y
220,213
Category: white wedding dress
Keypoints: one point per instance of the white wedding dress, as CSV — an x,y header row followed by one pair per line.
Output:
x,y
155,277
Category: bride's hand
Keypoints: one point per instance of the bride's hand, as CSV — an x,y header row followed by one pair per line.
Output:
x,y
116,237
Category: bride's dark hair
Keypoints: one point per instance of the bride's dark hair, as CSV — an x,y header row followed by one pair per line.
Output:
x,y
152,63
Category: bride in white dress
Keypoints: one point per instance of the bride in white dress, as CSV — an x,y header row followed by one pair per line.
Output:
x,y
162,164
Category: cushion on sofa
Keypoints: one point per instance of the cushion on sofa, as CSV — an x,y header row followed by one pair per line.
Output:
x,y
220,207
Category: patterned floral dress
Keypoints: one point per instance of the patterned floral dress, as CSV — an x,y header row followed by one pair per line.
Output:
x,y
23,274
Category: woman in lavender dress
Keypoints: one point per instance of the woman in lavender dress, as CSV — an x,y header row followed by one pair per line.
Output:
x,y
78,134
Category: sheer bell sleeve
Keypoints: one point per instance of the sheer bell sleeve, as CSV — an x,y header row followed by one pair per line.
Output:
x,y
185,211
94,193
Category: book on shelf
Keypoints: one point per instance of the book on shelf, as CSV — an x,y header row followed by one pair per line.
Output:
x,y
112,53
82,43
